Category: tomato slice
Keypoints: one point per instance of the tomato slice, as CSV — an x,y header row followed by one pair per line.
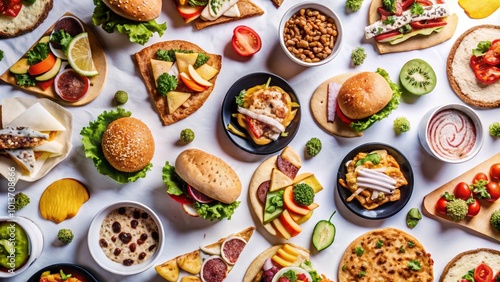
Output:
x,y
246,41
387,36
492,56
484,72
428,23
12,8
341,115
181,199
424,2
254,127
483,273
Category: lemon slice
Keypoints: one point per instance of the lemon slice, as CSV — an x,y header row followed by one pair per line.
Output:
x,y
80,55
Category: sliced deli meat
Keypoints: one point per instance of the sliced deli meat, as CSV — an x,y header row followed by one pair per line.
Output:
x,y
232,248
214,269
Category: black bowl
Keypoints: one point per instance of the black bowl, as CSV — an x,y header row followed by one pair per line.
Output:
x,y
229,107
68,268
390,208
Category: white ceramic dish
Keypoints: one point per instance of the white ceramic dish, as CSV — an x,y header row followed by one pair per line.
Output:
x,y
454,130
35,237
99,255
324,10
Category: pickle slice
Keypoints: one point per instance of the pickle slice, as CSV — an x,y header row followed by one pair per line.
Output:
x,y
323,234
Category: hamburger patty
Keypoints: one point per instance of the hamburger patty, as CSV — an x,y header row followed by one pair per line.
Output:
x,y
29,18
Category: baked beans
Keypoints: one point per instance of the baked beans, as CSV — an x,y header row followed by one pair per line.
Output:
x,y
310,35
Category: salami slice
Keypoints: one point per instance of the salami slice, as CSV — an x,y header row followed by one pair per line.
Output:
x,y
214,269
262,191
286,167
232,248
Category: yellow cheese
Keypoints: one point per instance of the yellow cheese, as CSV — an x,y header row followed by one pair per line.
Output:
x,y
175,99
184,60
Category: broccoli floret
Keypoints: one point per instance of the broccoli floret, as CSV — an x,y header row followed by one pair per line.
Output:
x,y
495,129
495,220
401,124
303,194
21,200
313,146
457,209
166,83
65,235
353,5
358,56
187,135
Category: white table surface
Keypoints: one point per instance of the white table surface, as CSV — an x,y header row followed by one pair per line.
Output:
x,y
184,233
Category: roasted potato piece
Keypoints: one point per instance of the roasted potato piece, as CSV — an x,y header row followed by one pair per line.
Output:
x,y
169,270
190,279
190,262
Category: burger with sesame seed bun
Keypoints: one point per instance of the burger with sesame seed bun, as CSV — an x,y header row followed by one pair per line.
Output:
x,y
120,146
136,18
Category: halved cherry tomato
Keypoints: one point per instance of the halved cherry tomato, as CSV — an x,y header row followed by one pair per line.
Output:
x,y
484,72
483,273
493,189
246,41
473,208
341,115
495,172
428,23
462,191
479,176
441,205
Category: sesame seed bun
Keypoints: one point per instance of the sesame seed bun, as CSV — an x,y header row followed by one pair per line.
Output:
x,y
363,95
136,10
128,144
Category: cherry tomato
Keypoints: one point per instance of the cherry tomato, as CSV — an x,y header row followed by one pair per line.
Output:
x,y
462,191
441,205
474,208
479,176
246,41
493,189
495,172
483,273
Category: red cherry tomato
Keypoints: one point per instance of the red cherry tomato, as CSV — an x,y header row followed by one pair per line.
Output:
x,y
474,208
480,176
246,41
462,191
441,205
493,189
495,172
483,273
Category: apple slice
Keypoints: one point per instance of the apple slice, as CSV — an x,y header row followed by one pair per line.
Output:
x,y
187,11
190,210
186,79
197,78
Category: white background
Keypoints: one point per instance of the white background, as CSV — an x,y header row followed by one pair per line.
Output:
x,y
184,233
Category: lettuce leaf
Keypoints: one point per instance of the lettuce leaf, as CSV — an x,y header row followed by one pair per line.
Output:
x,y
91,141
137,32
393,104
172,180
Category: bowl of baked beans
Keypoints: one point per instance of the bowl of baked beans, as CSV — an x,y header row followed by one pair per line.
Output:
x,y
310,34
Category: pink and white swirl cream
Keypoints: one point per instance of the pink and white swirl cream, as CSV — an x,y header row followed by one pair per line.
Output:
x,y
451,134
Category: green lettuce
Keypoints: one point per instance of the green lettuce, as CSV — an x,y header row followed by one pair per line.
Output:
x,y
137,32
211,211
91,141
393,104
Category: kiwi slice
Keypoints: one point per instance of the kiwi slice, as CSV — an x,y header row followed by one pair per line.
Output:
x,y
417,77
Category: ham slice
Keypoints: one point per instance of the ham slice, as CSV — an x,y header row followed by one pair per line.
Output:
x,y
333,91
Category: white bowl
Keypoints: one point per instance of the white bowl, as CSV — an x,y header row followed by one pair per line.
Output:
x,y
451,132
99,255
325,10
35,238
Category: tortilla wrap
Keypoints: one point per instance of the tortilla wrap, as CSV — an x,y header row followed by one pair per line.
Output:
x,y
417,42
247,9
468,260
256,265
460,75
28,19
195,101
319,106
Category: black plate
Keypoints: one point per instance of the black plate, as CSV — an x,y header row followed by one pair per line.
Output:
x,y
229,107
390,208
76,270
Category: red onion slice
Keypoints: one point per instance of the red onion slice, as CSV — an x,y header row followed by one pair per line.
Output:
x,y
333,92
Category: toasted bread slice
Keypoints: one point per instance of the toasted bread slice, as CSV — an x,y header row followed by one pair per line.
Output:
x,y
247,9
278,2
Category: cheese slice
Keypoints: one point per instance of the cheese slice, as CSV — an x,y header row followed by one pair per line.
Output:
x,y
37,118
25,158
53,147
160,67
184,60
175,99
207,72
216,8
279,180
232,12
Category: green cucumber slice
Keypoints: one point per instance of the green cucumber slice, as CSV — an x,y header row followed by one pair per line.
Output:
x,y
323,234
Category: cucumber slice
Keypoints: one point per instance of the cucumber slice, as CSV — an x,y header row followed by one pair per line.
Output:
x,y
323,234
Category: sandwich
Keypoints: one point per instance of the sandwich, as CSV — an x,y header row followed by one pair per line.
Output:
x,y
119,145
136,19
179,77
347,104
481,264
404,25
205,13
24,19
209,263
475,80
274,189
35,135
202,190
276,260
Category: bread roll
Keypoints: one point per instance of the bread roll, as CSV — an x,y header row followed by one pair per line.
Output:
x,y
363,95
136,10
209,175
128,144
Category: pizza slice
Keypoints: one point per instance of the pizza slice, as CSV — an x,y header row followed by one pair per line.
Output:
x,y
209,261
